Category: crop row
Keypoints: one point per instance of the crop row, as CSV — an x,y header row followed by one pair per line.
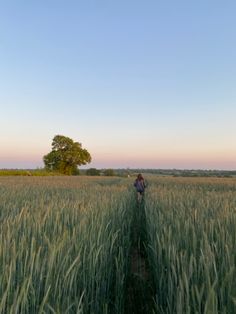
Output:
x,y
64,245
191,226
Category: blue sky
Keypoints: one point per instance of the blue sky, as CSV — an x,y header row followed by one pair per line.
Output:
x,y
139,83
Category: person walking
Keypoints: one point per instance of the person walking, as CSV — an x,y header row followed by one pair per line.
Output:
x,y
140,186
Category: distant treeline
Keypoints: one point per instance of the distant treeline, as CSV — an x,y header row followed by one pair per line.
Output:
x,y
186,173
123,172
27,172
161,172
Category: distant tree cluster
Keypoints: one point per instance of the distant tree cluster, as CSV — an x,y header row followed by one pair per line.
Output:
x,y
66,156
109,172
97,172
93,172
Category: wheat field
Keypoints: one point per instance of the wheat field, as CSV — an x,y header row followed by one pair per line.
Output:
x,y
66,243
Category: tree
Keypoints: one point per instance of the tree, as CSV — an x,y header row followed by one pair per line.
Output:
x,y
93,172
66,156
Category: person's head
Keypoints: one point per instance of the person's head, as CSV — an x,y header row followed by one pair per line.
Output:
x,y
140,177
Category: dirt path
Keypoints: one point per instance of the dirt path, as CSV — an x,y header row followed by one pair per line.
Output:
x,y
139,287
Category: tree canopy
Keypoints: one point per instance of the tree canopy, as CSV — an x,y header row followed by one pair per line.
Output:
x,y
66,156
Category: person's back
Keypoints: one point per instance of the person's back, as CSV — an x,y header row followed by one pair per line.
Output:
x,y
139,184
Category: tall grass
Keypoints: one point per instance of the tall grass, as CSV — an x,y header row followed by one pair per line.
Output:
x,y
191,225
64,245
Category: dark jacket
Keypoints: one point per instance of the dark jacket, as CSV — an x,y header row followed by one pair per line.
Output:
x,y
139,185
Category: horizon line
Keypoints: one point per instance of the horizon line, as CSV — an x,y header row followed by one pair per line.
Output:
x,y
134,168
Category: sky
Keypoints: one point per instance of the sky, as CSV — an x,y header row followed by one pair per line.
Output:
x,y
141,84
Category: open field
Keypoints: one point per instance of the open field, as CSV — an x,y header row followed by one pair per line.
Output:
x,y
73,245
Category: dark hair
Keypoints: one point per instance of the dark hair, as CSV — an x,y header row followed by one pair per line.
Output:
x,y
140,177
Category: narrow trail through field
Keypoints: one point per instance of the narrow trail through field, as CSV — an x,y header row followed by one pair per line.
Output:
x,y
139,288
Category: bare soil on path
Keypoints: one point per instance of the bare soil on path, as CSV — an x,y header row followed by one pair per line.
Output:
x,y
139,290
